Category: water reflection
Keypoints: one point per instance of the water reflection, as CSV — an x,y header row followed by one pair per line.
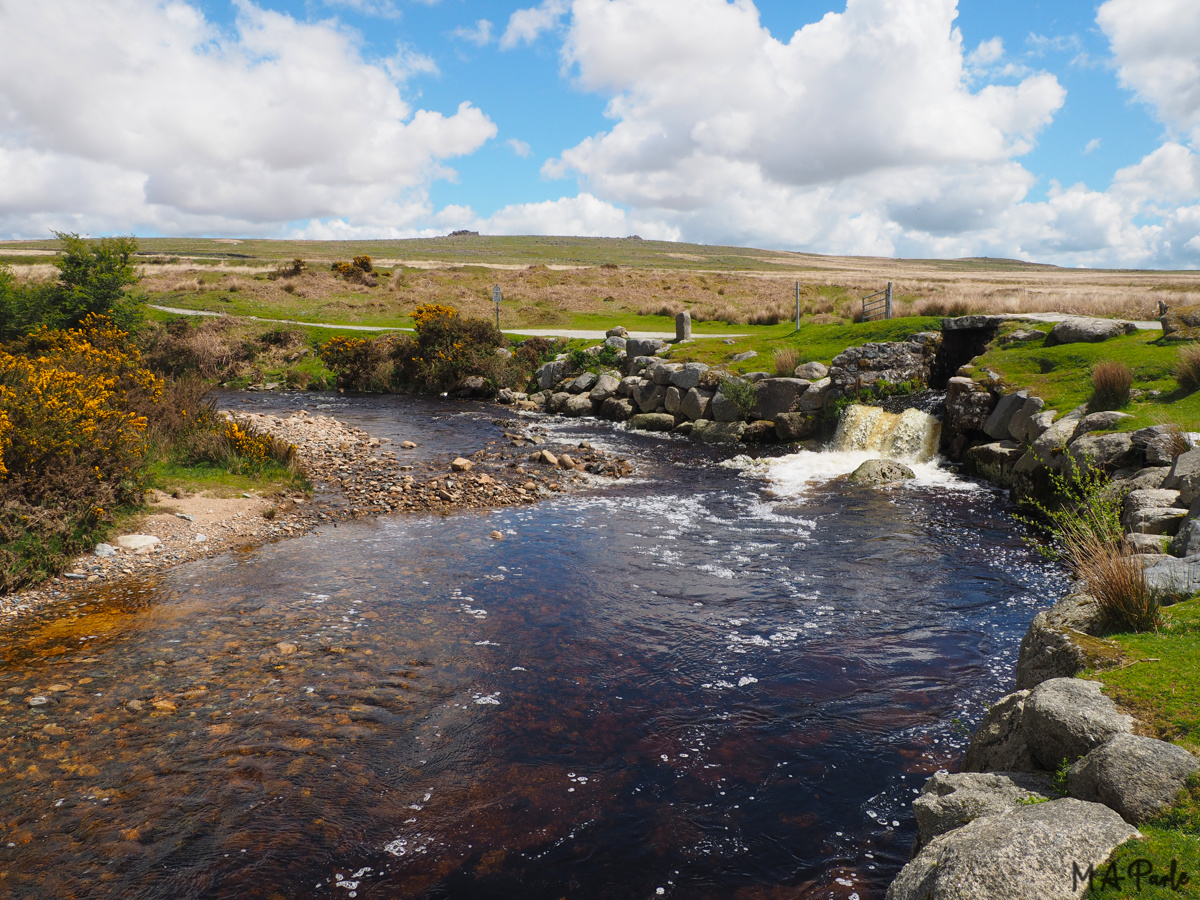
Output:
x,y
670,685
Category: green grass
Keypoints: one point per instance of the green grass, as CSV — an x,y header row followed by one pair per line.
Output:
x,y
272,480
1161,685
1173,837
1062,376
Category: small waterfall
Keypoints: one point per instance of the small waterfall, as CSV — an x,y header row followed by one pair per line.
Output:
x,y
911,435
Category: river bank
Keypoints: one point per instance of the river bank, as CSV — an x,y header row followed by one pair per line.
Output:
x,y
353,473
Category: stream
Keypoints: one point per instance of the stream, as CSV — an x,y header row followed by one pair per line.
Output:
x,y
723,678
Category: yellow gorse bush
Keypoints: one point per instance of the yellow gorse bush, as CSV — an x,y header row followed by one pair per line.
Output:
x,y
430,311
65,403
251,446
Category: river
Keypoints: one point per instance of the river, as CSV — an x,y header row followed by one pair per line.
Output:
x,y
719,679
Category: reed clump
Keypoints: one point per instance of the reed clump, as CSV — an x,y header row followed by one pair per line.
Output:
x,y
1187,367
785,360
1111,383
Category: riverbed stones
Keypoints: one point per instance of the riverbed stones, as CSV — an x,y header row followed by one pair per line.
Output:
x,y
880,472
1138,777
578,405
104,551
137,543
1025,853
1065,718
1079,330
949,801
461,464
998,744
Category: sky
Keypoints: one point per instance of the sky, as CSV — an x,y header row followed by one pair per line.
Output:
x,y
1063,132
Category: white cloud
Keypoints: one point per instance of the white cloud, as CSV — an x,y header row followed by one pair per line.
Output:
x,y
1157,48
986,53
480,35
519,147
1091,146
134,115
582,216
526,25
383,9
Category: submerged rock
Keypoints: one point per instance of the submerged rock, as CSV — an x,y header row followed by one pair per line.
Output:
x,y
878,472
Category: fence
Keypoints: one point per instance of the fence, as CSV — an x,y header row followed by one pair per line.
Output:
x,y
878,305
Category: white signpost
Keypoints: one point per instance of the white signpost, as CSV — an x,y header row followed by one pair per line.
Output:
x,y
496,298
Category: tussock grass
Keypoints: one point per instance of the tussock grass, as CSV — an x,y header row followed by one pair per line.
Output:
x,y
1111,384
785,360
1187,367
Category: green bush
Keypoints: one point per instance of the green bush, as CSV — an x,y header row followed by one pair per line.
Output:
x,y
742,394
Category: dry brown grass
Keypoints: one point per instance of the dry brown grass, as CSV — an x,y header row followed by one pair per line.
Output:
x,y
785,360
1187,367
1111,384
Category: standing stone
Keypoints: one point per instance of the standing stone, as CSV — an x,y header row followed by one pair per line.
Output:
x,y
683,326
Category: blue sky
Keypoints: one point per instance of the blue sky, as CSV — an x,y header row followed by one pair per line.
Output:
x,y
1064,132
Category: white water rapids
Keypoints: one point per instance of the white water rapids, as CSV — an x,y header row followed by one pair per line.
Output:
x,y
863,433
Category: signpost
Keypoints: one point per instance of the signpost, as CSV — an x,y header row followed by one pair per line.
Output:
x,y
496,298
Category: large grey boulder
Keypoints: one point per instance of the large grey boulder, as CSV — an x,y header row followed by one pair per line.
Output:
x,y
661,372
1179,577
968,406
811,371
1024,424
773,396
1090,331
582,383
1136,776
879,472
688,376
648,396
1187,541
950,801
1106,420
1029,853
1151,477
1001,455
578,405
636,347
606,386
1066,718
796,426
1061,642
1144,511
652,422
724,409
551,373
1181,323
814,398
697,404
672,400
997,424
617,409
1107,451
1053,441
1185,476
998,743
616,342
1161,444
558,401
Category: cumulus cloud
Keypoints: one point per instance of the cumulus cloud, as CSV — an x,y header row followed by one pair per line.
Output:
x,y
526,25
519,147
1157,48
144,116
480,35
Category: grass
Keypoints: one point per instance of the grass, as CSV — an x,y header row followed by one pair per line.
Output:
x,y
1062,375
1111,384
1161,683
273,480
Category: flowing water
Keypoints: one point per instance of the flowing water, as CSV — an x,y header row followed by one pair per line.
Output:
x,y
724,679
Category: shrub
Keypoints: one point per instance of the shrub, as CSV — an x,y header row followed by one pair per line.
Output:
x,y
1187,367
741,392
447,349
786,359
359,271
429,311
1086,533
361,364
363,263
1111,383
288,270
